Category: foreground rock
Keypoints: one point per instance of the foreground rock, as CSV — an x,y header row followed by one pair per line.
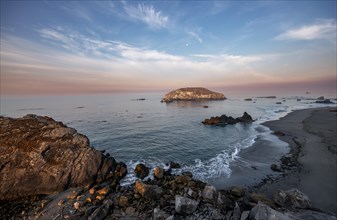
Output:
x,y
193,93
39,156
224,120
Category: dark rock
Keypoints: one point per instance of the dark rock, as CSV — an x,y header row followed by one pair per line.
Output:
x,y
123,201
325,101
41,156
90,210
141,171
185,205
205,106
244,215
217,215
187,173
278,103
224,120
121,170
153,192
131,211
237,191
209,193
174,165
158,172
159,214
264,212
275,168
320,98
182,180
245,118
190,94
279,133
102,211
256,198
292,199
267,97
236,212
248,99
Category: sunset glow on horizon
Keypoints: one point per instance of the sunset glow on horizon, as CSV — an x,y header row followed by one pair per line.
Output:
x,y
50,47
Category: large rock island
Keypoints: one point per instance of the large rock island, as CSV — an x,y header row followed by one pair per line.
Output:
x,y
40,156
191,94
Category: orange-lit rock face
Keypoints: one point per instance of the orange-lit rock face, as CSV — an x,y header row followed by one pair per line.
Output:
x,y
41,156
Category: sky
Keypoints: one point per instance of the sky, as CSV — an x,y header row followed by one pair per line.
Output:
x,y
70,47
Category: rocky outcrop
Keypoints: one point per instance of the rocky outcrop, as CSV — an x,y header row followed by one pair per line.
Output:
x,y
224,120
173,197
191,94
324,101
40,156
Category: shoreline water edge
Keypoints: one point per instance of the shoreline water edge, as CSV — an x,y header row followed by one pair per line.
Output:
x,y
309,166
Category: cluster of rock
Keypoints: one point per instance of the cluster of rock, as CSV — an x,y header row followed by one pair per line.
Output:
x,y
39,156
192,94
322,100
224,120
167,197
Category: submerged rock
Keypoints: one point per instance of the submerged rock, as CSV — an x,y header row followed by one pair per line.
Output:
x,y
193,93
174,165
224,120
141,171
40,156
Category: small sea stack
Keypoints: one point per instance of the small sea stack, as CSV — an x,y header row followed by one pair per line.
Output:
x,y
192,94
224,120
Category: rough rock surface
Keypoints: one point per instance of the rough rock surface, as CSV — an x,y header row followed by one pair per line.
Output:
x,y
41,156
292,198
141,171
224,120
193,93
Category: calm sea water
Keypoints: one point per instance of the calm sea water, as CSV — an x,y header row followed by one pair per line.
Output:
x,y
155,133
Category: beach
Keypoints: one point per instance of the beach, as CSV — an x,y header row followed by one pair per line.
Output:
x,y
313,133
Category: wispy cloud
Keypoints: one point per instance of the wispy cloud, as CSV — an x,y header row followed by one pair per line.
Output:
x,y
147,14
232,59
81,44
195,35
321,30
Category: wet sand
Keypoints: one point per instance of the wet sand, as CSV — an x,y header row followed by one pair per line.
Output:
x,y
313,132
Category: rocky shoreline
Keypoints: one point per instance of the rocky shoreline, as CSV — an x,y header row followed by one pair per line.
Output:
x,y
161,196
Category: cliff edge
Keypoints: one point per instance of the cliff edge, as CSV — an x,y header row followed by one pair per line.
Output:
x,y
191,94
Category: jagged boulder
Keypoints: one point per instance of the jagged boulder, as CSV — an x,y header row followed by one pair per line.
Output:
x,y
185,205
39,156
224,120
292,198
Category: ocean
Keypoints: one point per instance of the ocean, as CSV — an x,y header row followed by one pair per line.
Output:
x,y
154,133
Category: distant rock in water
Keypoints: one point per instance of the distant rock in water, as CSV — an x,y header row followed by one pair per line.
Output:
x,y
224,120
192,94
267,97
325,101
40,156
